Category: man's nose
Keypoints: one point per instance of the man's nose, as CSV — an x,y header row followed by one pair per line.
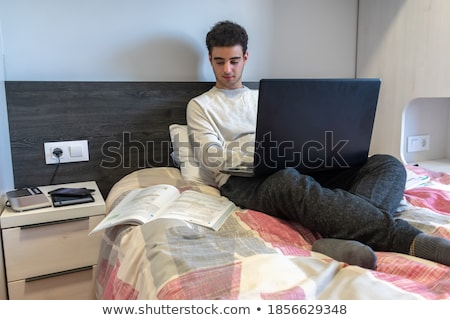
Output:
x,y
227,67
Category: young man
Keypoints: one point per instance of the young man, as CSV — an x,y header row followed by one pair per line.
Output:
x,y
353,209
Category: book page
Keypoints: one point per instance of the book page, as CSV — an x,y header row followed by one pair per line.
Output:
x,y
414,180
199,208
139,206
147,202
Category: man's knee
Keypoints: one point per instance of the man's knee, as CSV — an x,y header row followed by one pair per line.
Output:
x,y
386,159
387,162
286,174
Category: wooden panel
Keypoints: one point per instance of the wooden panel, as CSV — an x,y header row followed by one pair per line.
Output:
x,y
46,249
78,285
125,123
406,44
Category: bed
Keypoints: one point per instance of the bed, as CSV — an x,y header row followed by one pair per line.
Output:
x,y
253,256
256,256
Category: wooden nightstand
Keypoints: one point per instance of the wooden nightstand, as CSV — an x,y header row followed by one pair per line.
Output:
x,y
49,253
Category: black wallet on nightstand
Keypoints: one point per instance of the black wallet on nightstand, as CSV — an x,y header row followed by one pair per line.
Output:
x,y
70,196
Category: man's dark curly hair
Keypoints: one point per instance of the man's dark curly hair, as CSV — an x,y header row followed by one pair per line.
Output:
x,y
226,34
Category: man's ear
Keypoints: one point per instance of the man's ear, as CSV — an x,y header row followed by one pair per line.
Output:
x,y
246,56
210,58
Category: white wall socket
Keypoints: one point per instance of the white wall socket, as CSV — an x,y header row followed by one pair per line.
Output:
x,y
73,151
418,143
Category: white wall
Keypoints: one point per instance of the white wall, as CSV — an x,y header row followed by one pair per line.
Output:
x,y
427,116
6,180
6,176
164,40
145,40
313,38
406,43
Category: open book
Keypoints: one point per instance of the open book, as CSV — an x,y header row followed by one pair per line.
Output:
x,y
414,180
165,201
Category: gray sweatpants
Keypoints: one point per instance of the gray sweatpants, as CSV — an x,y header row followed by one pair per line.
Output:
x,y
354,204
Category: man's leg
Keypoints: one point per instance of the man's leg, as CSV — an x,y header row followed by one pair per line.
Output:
x,y
381,181
334,213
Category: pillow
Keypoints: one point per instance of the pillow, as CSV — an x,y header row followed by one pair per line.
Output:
x,y
183,157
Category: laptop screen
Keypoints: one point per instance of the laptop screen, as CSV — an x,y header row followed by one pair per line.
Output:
x,y
314,124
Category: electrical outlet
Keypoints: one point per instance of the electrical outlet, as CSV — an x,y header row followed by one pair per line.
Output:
x,y
72,151
418,143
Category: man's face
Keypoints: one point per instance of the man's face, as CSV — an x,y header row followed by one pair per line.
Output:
x,y
228,64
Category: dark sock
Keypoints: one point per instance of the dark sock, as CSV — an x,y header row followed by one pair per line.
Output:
x,y
431,248
348,251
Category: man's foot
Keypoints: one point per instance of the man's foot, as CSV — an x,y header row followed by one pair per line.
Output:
x,y
348,251
431,248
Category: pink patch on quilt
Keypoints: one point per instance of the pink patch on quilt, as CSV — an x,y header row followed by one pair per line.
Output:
x,y
103,269
207,284
279,233
413,276
439,177
441,232
295,293
115,289
425,197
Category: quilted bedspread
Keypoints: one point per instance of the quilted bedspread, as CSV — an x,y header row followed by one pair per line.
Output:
x,y
256,256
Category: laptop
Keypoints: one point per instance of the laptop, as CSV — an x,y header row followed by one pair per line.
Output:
x,y
312,125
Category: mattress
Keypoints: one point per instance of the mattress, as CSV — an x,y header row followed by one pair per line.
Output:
x,y
256,256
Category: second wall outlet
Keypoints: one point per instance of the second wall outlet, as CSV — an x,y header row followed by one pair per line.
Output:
x,y
72,151
418,143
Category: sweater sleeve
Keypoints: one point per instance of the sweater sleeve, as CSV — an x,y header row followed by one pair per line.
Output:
x,y
221,128
207,143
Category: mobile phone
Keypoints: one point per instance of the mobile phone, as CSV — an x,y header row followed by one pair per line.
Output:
x,y
71,192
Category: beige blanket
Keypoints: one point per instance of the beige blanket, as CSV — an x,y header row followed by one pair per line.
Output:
x,y
256,256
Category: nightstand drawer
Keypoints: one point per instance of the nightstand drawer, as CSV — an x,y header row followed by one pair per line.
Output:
x,y
76,285
43,249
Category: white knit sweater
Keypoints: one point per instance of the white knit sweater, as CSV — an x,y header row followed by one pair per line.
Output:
x,y
222,124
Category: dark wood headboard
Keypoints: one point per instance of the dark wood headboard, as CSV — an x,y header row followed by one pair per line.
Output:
x,y
125,123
